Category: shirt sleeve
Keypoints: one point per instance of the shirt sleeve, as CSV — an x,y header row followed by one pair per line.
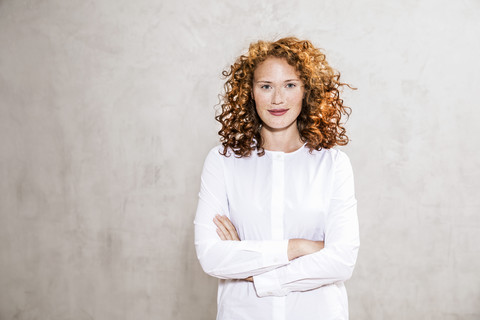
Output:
x,y
336,261
228,259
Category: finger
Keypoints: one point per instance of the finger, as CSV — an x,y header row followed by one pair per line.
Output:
x,y
225,228
219,223
230,227
220,234
219,231
232,233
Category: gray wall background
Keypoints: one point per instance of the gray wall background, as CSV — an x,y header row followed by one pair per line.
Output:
x,y
107,114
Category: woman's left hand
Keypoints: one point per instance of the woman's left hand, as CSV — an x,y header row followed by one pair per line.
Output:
x,y
225,228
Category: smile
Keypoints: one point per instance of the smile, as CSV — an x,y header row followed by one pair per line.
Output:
x,y
278,112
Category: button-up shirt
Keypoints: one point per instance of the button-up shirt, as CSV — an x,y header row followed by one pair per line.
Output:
x,y
271,199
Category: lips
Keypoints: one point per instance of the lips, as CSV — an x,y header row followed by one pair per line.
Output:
x,y
278,112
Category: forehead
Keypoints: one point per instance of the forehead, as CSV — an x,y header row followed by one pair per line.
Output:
x,y
275,68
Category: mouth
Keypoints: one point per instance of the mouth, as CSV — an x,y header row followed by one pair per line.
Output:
x,y
278,112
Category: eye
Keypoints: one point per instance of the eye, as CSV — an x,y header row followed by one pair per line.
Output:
x,y
291,85
265,86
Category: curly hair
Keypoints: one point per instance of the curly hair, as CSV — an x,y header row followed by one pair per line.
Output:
x,y
319,122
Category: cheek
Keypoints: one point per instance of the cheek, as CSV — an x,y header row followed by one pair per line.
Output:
x,y
260,99
297,98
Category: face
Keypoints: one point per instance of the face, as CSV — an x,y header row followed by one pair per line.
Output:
x,y
278,93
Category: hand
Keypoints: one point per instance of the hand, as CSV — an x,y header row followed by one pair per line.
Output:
x,y
226,231
225,228
302,247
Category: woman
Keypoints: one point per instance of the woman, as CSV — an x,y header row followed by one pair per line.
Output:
x,y
276,220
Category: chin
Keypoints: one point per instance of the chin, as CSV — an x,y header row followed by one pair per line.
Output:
x,y
278,126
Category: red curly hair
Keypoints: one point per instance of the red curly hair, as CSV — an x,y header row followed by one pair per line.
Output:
x,y
319,122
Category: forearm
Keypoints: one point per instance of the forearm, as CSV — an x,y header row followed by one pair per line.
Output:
x,y
221,255
232,258
240,259
309,272
333,263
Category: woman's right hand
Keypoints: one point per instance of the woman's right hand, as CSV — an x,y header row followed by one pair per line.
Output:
x,y
302,247
225,228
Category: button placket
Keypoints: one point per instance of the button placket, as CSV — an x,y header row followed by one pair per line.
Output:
x,y
277,208
277,204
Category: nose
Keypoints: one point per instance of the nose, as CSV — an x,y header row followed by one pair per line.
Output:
x,y
277,97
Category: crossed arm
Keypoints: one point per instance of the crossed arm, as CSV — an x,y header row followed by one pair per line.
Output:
x,y
276,266
296,247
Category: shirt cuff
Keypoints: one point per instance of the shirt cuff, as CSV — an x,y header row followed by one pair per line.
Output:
x,y
267,284
275,253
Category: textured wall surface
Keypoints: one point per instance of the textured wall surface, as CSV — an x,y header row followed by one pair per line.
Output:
x,y
106,115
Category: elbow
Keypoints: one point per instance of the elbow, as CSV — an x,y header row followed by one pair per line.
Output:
x,y
209,268
204,264
208,262
209,271
346,260
345,272
214,272
349,265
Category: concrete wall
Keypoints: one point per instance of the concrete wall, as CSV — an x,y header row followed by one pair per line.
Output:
x,y
106,115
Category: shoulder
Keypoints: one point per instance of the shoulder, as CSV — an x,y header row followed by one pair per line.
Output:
x,y
229,156
216,156
333,159
213,164
217,151
333,155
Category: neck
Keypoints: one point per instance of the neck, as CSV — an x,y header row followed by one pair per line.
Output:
x,y
285,140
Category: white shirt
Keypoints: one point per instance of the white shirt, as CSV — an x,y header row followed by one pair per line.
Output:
x,y
271,199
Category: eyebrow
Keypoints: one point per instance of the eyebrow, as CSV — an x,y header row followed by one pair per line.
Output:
x,y
289,80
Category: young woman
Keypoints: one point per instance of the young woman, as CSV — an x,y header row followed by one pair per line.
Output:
x,y
277,216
